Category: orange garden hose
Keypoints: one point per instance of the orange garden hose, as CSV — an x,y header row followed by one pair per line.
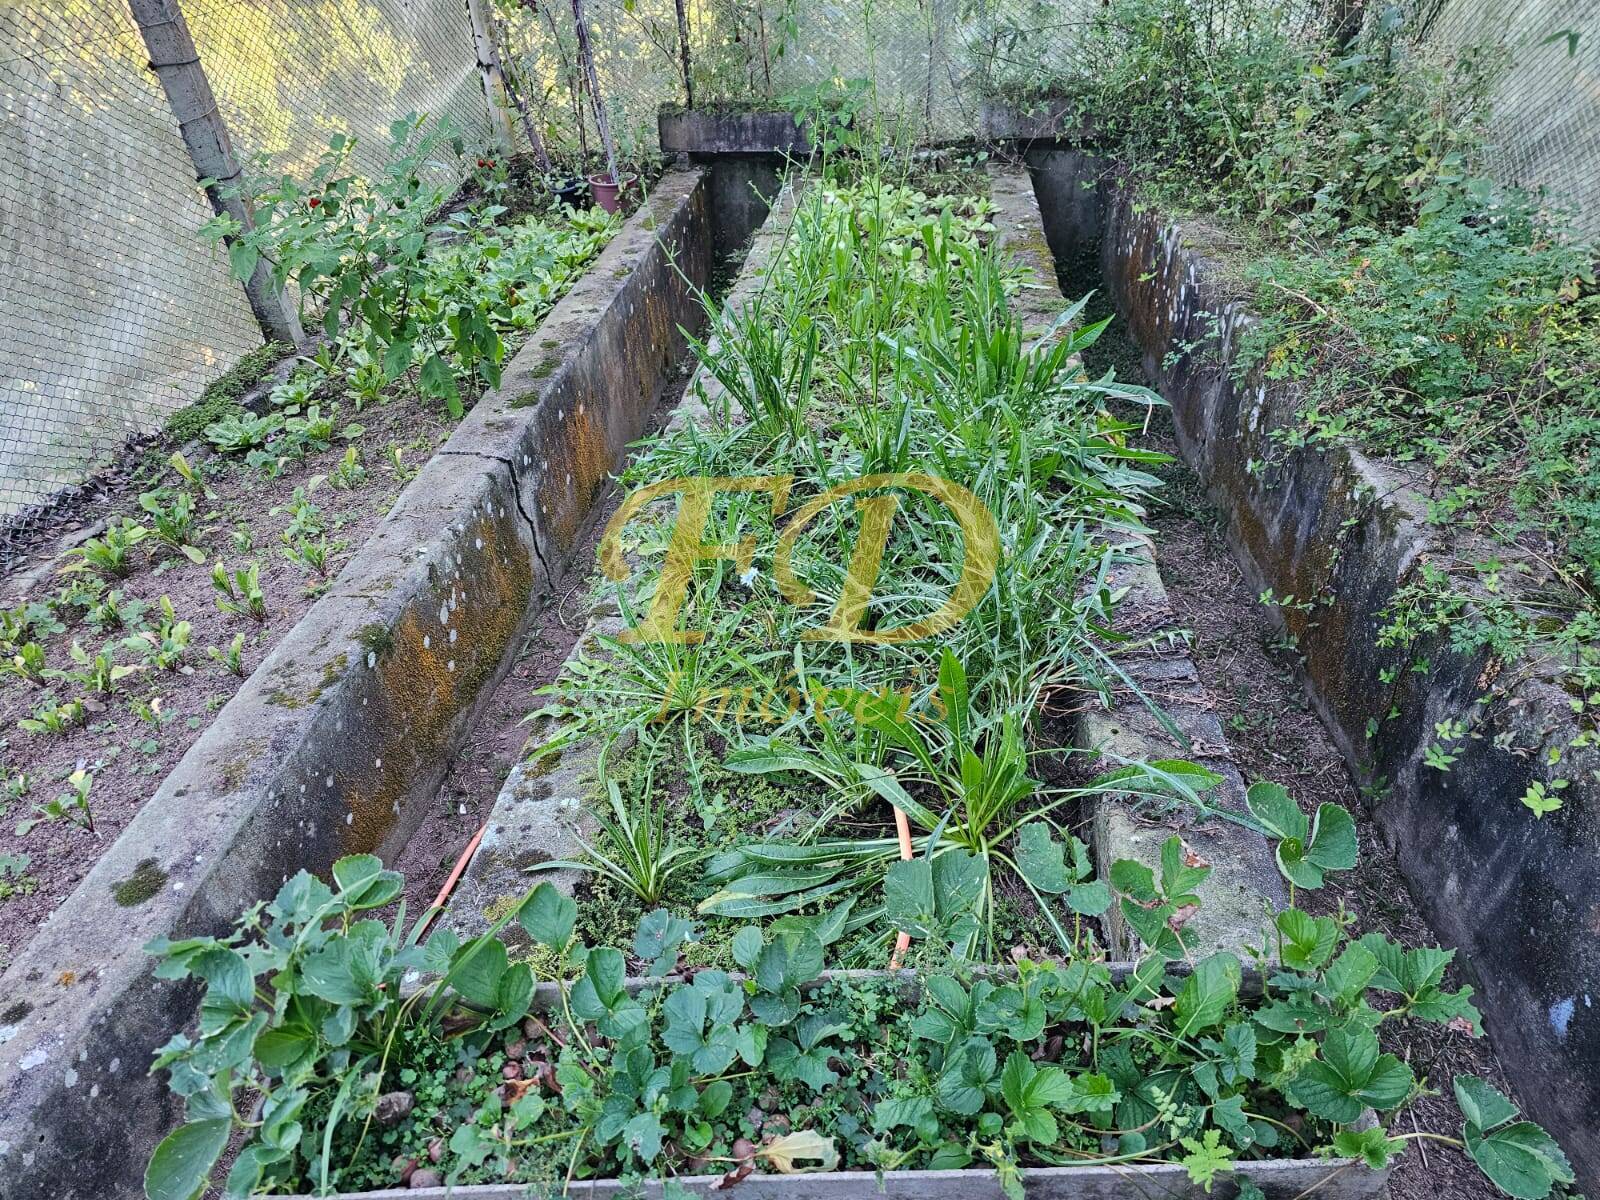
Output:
x,y
455,872
902,940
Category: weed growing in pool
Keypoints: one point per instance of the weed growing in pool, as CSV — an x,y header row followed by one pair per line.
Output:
x,y
634,850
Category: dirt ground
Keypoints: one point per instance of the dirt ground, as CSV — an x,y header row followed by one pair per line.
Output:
x,y
134,736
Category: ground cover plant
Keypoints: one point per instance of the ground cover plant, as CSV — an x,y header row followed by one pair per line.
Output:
x,y
117,656
881,346
479,1074
1425,312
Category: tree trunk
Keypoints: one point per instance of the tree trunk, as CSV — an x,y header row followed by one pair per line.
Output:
x,y
176,63
601,121
683,51
490,74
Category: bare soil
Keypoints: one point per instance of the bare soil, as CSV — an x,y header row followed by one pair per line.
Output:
x,y
129,754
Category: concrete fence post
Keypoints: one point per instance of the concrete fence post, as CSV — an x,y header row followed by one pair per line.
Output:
x,y
176,63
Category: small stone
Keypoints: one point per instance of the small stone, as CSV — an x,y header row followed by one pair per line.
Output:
x,y
435,1149
511,1071
393,1107
755,1116
425,1177
516,1049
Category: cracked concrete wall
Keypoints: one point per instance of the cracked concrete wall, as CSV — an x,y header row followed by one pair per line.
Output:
x,y
339,740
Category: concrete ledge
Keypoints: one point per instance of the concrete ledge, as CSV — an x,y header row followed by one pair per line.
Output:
x,y
340,738
543,807
1244,888
706,131
1330,526
1045,120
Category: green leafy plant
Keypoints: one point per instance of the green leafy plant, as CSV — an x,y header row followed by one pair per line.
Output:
x,y
350,473
14,877
1186,1062
54,717
114,611
239,592
98,672
172,520
110,554
237,433
164,646
71,805
231,657
635,849
27,663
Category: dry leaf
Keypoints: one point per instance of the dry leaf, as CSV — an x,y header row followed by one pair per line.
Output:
x,y
801,1144
1182,916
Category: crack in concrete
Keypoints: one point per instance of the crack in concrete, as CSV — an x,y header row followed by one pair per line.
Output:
x,y
516,491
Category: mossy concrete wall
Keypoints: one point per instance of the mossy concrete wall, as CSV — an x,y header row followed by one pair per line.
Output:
x,y
339,740
1244,889
542,812
1519,896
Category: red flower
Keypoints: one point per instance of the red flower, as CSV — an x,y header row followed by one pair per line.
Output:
x,y
314,201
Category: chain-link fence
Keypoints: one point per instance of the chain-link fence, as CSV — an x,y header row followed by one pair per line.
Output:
x,y
114,313
1546,122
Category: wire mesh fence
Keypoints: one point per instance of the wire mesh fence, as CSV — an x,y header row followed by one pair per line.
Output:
x,y
114,313
1545,126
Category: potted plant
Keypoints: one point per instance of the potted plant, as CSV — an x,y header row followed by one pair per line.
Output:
x,y
606,188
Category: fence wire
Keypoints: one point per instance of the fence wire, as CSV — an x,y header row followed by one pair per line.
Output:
x,y
114,313
1545,126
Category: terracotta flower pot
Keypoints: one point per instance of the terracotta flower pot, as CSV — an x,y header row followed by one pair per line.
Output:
x,y
607,192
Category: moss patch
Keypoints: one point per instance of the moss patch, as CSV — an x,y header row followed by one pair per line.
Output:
x,y
222,394
376,638
147,879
